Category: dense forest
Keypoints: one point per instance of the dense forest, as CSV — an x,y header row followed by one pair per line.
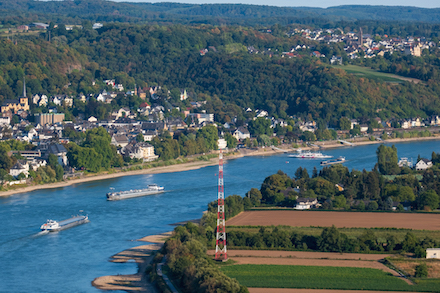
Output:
x,y
146,55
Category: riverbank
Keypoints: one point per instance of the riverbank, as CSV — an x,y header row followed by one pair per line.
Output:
x,y
143,255
263,151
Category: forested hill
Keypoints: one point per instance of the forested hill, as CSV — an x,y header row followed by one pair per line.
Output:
x,y
101,10
383,13
227,74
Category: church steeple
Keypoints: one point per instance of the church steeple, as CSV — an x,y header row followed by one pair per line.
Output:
x,y
24,86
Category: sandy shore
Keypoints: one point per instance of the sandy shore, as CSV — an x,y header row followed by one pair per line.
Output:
x,y
142,255
200,164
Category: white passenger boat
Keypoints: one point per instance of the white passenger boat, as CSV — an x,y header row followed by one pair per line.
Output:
x,y
310,155
52,225
151,189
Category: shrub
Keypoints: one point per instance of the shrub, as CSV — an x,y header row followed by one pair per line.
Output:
x,y
421,271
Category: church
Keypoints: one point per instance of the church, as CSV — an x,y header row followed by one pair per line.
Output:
x,y
22,103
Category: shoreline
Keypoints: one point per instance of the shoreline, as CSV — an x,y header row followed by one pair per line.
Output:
x,y
262,151
143,255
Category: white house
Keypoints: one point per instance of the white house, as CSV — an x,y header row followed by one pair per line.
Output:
x,y
122,112
143,151
423,164
119,140
92,119
222,144
305,203
433,253
43,101
19,168
241,133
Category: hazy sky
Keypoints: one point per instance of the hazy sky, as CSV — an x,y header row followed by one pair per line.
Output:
x,y
311,3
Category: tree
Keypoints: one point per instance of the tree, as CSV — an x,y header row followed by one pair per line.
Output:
x,y
428,198
387,160
421,271
344,123
330,240
140,137
260,126
231,141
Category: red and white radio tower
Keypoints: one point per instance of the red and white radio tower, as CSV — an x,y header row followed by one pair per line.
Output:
x,y
220,243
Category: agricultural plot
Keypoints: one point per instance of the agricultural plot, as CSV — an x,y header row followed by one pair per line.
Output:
x,y
315,277
428,221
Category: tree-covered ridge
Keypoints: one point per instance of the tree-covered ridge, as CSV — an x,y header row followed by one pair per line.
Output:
x,y
101,10
169,56
45,65
375,12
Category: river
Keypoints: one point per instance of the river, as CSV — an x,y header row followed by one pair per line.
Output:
x,y
67,261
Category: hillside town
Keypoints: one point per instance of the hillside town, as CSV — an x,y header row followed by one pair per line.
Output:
x,y
23,120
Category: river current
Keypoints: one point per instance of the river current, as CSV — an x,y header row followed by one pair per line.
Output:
x,y
67,261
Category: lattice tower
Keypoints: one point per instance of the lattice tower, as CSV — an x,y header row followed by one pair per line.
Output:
x,y
220,243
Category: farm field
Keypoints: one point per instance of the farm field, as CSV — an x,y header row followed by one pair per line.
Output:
x,y
374,74
315,277
294,218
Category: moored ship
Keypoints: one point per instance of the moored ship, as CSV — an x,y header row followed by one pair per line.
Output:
x,y
339,160
151,189
52,225
310,155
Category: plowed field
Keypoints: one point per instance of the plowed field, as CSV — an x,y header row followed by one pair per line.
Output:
x,y
339,219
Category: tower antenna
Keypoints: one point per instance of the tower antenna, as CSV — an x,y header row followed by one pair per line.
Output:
x,y
220,242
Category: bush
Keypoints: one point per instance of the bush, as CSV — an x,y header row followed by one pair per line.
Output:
x,y
421,271
419,252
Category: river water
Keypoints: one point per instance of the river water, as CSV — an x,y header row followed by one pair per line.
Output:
x,y
67,261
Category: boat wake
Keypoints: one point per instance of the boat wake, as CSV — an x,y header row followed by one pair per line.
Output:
x,y
41,233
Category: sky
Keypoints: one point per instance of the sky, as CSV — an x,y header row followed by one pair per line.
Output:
x,y
311,3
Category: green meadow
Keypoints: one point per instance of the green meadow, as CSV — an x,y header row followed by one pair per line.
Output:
x,y
369,73
313,277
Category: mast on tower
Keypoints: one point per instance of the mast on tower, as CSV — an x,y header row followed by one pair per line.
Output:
x,y
220,242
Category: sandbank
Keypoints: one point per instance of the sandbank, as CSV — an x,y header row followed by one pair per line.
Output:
x,y
262,151
143,256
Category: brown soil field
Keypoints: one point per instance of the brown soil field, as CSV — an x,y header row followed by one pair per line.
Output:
x,y
339,219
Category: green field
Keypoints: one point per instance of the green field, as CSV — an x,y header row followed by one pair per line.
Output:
x,y
312,277
369,73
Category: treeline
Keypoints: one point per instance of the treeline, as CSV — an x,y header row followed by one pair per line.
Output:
x,y
330,240
95,152
336,187
186,143
190,266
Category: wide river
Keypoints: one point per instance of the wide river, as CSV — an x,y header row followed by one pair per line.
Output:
x,y
67,261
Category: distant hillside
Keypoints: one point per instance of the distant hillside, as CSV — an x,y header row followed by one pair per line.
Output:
x,y
101,10
387,13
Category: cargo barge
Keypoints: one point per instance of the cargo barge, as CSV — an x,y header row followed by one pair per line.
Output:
x,y
53,226
151,189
